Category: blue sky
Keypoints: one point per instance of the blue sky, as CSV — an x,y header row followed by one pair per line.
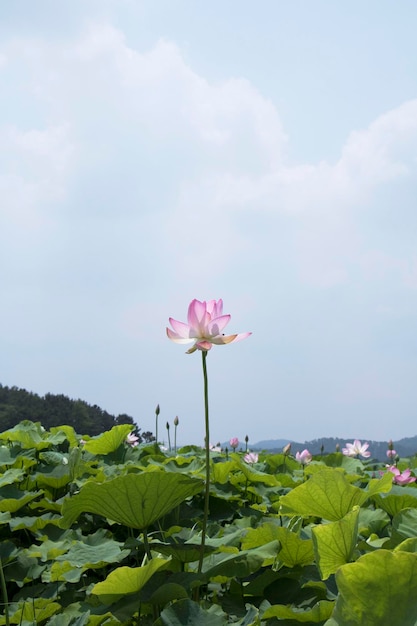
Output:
x,y
152,152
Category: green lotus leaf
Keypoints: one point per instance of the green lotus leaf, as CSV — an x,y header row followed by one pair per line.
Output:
x,y
379,588
35,611
53,476
21,459
189,613
255,537
95,554
126,580
5,517
23,569
253,475
221,471
408,545
108,441
135,500
63,571
11,476
372,521
404,525
240,564
5,456
317,614
45,504
192,464
293,550
328,494
12,499
281,463
82,614
183,552
81,557
335,543
69,433
34,523
230,536
48,550
50,457
32,435
395,502
168,593
376,486
81,619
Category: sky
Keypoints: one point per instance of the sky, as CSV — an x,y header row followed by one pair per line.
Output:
x,y
153,152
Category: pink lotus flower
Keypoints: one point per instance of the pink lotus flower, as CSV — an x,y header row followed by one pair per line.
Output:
x,y
234,442
391,454
357,449
205,325
251,457
304,457
132,440
399,478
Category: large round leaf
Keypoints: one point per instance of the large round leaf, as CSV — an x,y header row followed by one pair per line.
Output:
x,y
379,588
189,613
134,500
109,441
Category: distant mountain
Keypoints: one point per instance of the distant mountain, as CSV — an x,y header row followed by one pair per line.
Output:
x,y
378,449
271,444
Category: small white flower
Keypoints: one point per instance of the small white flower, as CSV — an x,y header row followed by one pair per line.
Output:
x,y
304,457
357,449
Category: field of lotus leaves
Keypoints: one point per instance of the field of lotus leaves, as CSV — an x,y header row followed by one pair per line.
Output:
x,y
98,531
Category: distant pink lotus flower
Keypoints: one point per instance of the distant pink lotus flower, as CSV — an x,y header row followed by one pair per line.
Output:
x,y
304,457
234,442
401,478
251,457
357,449
391,454
132,440
205,325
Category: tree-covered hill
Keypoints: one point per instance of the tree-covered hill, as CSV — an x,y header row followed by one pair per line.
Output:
x,y
17,405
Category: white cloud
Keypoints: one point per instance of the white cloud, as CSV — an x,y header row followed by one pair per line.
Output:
x,y
221,151
382,152
35,168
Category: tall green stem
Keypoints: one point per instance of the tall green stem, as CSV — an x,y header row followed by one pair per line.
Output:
x,y
157,411
146,544
169,438
4,594
207,441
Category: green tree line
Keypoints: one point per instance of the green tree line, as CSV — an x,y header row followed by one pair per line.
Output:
x,y
18,404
